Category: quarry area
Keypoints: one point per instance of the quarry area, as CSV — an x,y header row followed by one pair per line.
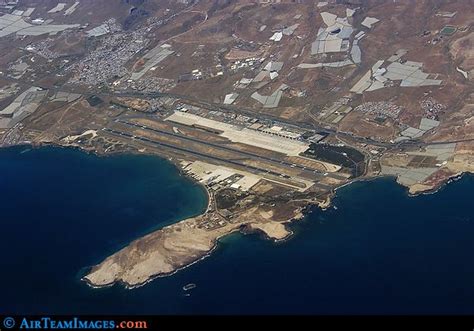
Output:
x,y
270,105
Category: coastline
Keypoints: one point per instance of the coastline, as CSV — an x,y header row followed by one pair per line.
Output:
x,y
320,243
244,228
152,278
181,259
441,185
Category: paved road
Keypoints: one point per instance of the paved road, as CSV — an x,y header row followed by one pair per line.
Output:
x,y
268,117
297,125
220,146
254,114
187,150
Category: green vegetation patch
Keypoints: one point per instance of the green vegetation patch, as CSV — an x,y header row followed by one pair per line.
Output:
x,y
344,156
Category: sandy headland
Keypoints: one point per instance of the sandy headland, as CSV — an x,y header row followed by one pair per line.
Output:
x,y
174,247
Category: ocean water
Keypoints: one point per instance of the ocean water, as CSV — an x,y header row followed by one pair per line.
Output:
x,y
379,252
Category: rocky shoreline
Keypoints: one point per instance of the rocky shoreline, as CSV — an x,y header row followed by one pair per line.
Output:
x,y
121,267
175,247
168,250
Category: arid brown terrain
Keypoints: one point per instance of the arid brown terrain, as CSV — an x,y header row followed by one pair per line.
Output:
x,y
270,105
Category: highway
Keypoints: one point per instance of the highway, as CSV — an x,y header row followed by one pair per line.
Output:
x,y
297,125
276,119
260,116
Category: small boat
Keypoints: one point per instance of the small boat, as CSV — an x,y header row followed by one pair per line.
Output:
x,y
189,286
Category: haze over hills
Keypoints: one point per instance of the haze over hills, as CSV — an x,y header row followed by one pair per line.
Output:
x,y
271,105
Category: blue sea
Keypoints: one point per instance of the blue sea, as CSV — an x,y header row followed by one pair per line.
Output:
x,y
379,252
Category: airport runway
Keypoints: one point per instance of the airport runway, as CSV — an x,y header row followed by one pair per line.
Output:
x,y
186,150
316,172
